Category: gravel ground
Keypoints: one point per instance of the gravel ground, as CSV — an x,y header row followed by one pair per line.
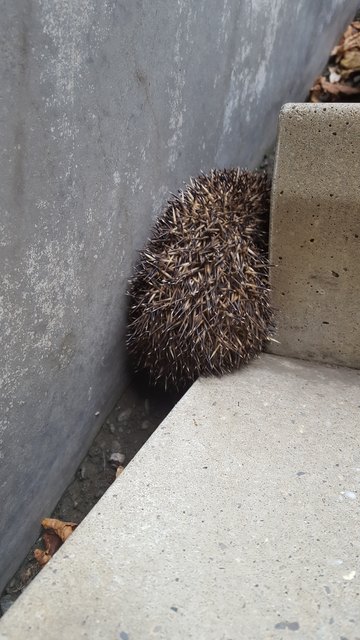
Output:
x,y
132,421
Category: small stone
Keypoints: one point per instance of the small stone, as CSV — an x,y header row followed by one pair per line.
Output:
x,y
116,459
350,576
82,472
124,415
97,413
112,428
145,424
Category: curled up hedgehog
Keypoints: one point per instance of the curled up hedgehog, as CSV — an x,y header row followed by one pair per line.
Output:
x,y
199,299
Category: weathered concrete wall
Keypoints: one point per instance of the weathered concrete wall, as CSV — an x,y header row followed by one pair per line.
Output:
x,y
106,106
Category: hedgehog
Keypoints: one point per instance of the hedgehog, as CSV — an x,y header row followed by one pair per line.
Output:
x,y
199,299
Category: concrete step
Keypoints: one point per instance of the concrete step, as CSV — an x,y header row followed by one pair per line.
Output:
x,y
239,518
315,233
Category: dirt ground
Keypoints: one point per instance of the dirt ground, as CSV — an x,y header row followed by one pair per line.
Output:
x,y
132,421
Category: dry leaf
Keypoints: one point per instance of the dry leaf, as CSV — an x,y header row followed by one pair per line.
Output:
x,y
119,470
56,533
316,91
41,556
346,56
353,42
62,529
348,90
340,82
351,60
349,32
52,542
338,87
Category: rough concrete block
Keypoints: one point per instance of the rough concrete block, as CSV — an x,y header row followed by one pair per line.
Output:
x,y
315,233
239,518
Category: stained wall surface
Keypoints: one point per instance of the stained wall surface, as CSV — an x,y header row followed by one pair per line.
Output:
x,y
105,108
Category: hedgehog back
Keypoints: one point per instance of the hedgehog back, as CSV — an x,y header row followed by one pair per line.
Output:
x,y
200,298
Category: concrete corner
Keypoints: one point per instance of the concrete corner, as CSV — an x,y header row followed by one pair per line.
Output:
x,y
315,233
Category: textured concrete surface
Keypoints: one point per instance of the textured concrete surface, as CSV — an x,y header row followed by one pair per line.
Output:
x,y
105,108
315,233
239,518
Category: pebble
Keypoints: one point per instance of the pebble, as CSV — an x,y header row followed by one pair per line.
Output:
x,y
112,428
145,424
124,415
116,459
350,576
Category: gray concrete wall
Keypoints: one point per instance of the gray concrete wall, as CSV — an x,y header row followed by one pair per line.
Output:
x,y
105,107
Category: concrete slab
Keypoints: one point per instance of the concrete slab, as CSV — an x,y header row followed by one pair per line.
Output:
x,y
238,519
315,233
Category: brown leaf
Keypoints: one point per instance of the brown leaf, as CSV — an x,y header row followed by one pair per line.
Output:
x,y
56,533
315,91
119,471
351,60
347,90
348,39
41,556
314,97
353,42
339,47
62,529
52,542
337,88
